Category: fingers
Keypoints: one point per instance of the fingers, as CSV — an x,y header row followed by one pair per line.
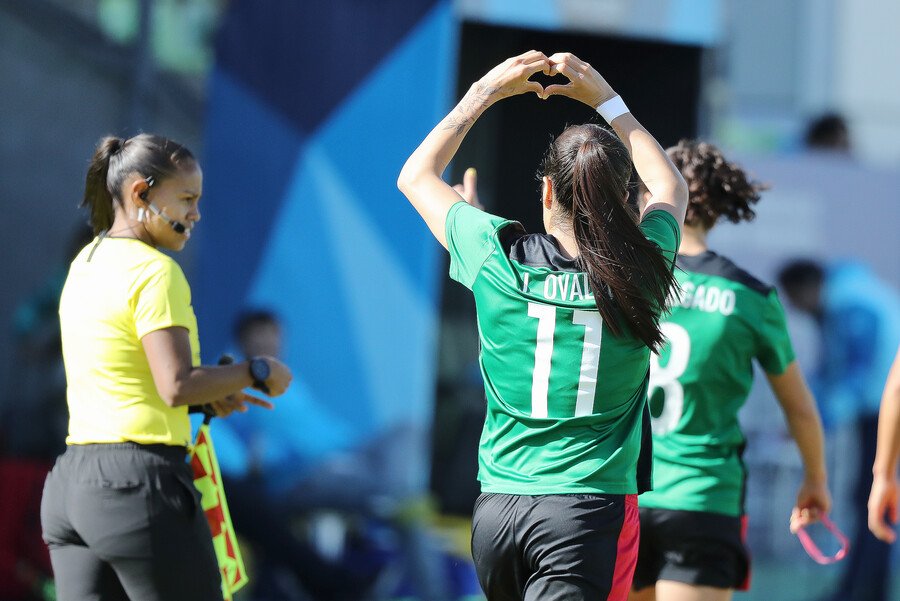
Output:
x,y
566,64
470,179
561,68
563,63
468,189
533,86
252,400
531,56
880,529
556,89
801,518
227,406
877,524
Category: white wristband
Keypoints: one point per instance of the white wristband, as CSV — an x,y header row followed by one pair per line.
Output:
x,y
612,108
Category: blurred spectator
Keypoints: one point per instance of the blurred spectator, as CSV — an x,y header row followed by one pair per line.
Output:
x,y
258,458
34,415
859,317
828,132
333,518
34,419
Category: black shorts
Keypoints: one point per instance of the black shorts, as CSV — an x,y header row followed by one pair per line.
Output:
x,y
124,520
573,547
692,547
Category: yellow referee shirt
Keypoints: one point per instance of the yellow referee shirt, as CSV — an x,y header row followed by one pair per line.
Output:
x,y
111,299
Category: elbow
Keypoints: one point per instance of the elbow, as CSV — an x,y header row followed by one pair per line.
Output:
x,y
406,180
680,190
403,182
173,395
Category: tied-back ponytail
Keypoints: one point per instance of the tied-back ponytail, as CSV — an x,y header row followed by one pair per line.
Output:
x,y
590,169
115,159
97,196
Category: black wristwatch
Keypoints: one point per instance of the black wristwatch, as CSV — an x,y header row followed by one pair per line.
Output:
x,y
260,372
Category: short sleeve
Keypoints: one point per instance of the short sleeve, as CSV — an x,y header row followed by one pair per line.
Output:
x,y
775,351
662,228
162,299
470,240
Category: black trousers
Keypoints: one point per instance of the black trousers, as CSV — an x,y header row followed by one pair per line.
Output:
x,y
124,521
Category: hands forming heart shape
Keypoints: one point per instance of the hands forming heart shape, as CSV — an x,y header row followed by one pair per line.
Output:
x,y
512,77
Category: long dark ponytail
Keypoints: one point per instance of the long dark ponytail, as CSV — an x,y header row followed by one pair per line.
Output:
x,y
590,170
115,159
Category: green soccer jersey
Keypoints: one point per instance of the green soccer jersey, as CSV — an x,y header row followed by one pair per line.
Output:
x,y
566,400
721,321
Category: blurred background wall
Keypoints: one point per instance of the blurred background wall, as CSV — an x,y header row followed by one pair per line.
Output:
x,y
302,114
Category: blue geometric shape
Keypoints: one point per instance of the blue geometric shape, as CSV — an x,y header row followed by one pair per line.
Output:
x,y
250,153
348,263
303,58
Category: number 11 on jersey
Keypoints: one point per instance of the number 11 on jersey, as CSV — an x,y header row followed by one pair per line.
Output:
x,y
543,354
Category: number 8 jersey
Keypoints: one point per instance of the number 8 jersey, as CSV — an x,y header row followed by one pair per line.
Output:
x,y
566,400
720,321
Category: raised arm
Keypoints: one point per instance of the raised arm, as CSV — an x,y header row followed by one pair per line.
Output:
x,y
792,392
420,179
659,175
885,494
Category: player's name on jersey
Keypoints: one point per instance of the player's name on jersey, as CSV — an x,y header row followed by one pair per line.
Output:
x,y
709,299
560,286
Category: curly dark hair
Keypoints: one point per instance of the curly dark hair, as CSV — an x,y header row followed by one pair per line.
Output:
x,y
717,188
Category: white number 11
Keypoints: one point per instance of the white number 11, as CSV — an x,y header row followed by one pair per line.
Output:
x,y
543,353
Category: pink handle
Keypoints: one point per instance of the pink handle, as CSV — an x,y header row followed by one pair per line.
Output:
x,y
813,551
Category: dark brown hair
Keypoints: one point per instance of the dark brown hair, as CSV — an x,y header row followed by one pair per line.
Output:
x,y
116,159
590,169
716,187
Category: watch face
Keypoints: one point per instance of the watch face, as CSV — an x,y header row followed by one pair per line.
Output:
x,y
259,370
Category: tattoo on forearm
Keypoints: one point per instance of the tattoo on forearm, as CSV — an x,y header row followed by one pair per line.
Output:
x,y
466,111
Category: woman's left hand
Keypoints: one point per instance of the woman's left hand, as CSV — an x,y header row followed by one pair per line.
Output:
x,y
238,402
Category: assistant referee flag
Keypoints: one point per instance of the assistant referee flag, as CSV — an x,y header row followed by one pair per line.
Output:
x,y
208,481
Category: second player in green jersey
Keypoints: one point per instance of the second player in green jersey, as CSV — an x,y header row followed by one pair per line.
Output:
x,y
721,320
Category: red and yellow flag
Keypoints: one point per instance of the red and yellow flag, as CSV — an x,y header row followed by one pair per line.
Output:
x,y
208,481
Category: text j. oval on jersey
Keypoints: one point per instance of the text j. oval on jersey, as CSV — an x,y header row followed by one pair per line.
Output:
x,y
561,286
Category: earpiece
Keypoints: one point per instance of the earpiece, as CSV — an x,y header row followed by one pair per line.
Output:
x,y
149,181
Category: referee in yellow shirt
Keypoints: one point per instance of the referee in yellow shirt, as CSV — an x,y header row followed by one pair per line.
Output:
x,y
120,512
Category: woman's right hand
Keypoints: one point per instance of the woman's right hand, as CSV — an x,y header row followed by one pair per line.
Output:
x,y
585,83
279,376
510,77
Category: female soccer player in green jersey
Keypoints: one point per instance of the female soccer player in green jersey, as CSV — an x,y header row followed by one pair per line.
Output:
x,y
566,321
692,523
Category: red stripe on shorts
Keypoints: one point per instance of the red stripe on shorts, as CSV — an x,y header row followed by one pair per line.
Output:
x,y
745,585
626,552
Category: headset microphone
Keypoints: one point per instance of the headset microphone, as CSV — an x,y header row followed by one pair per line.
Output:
x,y
175,225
